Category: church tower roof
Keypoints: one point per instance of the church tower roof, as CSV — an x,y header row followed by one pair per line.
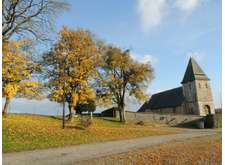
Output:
x,y
193,72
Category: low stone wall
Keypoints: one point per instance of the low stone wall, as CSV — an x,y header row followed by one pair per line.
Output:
x,y
170,119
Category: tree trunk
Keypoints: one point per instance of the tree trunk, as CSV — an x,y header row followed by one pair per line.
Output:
x,y
91,115
70,113
6,107
120,113
124,116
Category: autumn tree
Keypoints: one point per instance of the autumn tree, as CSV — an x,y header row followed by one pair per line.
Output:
x,y
30,17
70,66
17,70
121,76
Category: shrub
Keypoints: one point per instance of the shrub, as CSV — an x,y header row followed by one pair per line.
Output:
x,y
88,107
140,123
84,123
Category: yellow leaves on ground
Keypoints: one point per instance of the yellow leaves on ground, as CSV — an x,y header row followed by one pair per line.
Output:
x,y
196,151
26,132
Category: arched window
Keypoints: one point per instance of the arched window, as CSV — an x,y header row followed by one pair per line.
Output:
x,y
206,85
199,85
207,109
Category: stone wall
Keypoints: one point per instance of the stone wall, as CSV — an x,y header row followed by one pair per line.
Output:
x,y
170,119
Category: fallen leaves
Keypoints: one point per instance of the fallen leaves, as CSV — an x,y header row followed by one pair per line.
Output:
x,y
205,150
27,132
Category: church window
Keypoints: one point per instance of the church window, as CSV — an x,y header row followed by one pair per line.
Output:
x,y
199,85
206,85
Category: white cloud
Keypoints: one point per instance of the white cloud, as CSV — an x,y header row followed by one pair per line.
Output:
x,y
146,58
196,55
187,5
153,12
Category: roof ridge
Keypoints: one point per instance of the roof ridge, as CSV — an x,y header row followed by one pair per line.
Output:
x,y
192,70
167,90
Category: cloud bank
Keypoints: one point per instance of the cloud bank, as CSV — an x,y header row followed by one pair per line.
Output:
x,y
146,58
153,12
187,5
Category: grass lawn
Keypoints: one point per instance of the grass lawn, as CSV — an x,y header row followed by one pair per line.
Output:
x,y
196,151
29,132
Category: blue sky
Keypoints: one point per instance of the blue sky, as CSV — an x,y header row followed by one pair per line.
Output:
x,y
166,32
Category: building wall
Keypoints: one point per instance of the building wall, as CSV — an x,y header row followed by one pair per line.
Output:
x,y
170,119
204,97
198,97
189,92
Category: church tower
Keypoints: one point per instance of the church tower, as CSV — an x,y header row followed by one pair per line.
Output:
x,y
197,90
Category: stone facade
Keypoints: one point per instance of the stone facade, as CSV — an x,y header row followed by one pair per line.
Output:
x,y
196,97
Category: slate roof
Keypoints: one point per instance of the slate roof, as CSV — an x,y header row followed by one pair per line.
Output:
x,y
193,72
166,99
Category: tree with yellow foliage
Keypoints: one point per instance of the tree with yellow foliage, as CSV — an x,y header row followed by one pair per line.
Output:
x,y
17,70
70,66
121,76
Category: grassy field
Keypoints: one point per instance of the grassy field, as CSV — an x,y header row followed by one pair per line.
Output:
x,y
197,151
27,132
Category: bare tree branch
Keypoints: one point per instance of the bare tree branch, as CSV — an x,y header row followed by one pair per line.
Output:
x,y
32,17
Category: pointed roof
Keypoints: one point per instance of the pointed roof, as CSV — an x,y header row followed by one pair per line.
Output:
x,y
193,72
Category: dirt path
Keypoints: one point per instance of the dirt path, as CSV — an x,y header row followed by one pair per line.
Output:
x,y
70,155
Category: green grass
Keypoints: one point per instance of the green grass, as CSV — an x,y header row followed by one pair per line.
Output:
x,y
29,132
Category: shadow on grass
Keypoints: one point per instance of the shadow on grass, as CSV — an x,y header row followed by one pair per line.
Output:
x,y
78,127
59,117
111,119
56,117
190,124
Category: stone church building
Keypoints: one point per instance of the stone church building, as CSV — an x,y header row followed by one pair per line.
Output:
x,y
193,97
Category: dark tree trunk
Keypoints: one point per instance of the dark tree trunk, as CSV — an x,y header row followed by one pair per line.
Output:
x,y
6,107
70,113
120,113
124,116
123,104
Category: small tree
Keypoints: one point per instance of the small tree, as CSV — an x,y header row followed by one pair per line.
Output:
x,y
17,70
90,106
120,76
70,66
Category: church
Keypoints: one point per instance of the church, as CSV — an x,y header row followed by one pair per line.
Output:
x,y
193,97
